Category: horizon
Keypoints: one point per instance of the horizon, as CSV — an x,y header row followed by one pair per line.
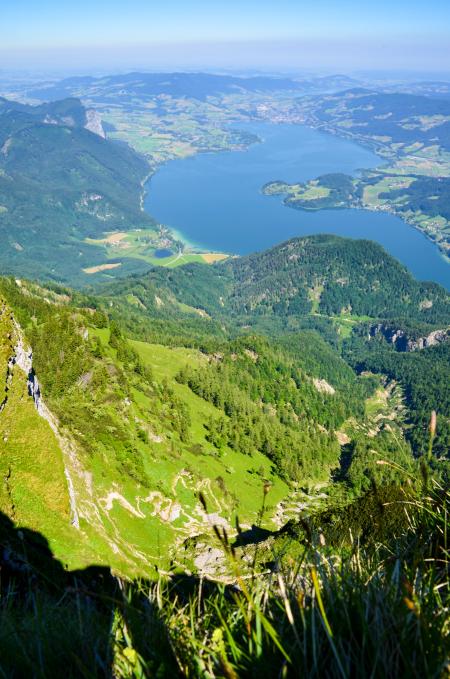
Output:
x,y
285,38
52,73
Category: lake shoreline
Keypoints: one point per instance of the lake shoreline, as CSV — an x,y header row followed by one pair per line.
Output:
x,y
219,206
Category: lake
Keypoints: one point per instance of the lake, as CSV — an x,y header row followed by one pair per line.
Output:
x,y
214,200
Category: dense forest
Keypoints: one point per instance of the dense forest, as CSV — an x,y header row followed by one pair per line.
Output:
x,y
322,274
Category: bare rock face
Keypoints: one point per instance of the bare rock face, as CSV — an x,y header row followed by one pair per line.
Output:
x,y
399,338
323,386
94,123
24,357
435,337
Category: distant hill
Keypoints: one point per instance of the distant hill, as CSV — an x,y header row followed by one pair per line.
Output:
x,y
61,183
395,117
326,274
193,85
190,85
69,111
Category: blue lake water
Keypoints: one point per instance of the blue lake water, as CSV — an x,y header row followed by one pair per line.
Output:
x,y
214,200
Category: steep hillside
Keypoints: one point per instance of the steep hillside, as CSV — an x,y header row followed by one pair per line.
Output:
x,y
61,183
33,460
342,289
137,430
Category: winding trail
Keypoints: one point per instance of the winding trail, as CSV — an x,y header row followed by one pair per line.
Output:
x,y
179,255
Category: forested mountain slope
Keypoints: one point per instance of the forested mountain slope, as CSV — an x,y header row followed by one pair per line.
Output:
x,y
254,422
324,275
159,387
346,290
59,184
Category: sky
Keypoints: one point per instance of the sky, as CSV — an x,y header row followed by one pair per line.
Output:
x,y
266,35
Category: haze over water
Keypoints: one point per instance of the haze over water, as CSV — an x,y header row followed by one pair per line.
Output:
x,y
215,200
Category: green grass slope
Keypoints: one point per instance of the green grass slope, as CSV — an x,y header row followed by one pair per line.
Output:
x,y
148,432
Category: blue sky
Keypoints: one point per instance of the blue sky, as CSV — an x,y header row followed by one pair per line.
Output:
x,y
282,34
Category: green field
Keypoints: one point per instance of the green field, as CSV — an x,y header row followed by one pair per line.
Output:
x,y
141,244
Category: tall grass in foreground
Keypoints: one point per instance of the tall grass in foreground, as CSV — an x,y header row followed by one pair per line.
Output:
x,y
380,610
376,612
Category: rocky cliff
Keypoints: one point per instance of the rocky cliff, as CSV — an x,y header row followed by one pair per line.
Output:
x,y
405,341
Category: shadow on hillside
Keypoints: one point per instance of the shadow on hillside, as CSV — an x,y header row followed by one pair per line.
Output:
x,y
55,622
253,536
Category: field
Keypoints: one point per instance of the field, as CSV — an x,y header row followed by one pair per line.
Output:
x,y
175,128
310,191
371,192
430,161
154,247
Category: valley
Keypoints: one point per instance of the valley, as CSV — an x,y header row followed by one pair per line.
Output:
x,y
178,118
224,424
173,400
192,130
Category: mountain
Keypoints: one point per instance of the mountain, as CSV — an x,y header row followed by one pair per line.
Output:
x,y
69,112
215,379
61,183
251,423
335,286
128,87
322,275
191,85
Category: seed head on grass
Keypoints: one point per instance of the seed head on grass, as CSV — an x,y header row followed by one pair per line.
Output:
x,y
432,429
433,423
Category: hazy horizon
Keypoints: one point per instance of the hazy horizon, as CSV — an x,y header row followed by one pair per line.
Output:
x,y
264,36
